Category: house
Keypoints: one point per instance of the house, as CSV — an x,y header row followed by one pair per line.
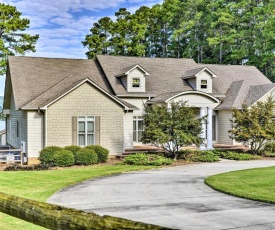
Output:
x,y
53,101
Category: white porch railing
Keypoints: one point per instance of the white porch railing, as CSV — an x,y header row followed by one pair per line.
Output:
x,y
11,156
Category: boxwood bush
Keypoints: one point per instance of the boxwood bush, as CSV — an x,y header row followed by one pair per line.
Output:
x,y
86,156
63,158
101,152
236,155
46,154
147,159
72,148
202,156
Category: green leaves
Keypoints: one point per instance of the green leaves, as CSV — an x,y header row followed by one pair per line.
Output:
x,y
171,127
254,124
12,40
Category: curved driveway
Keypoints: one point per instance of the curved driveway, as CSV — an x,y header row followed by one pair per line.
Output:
x,y
175,197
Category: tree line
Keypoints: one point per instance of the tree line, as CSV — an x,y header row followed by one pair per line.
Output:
x,y
208,31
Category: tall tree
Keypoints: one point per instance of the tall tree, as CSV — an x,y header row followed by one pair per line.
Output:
x,y
12,39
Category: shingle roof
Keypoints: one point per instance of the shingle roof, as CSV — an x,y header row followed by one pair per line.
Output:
x,y
256,92
163,97
165,74
192,72
38,81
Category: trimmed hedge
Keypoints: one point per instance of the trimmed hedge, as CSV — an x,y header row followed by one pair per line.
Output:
x,y
147,159
17,167
73,148
46,154
86,156
236,156
202,156
101,152
63,158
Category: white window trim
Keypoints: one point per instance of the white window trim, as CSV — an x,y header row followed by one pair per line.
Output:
x,y
139,86
204,84
86,128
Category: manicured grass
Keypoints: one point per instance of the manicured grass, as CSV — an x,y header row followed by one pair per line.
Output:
x,y
39,185
255,184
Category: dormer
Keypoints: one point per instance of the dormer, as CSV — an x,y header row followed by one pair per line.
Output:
x,y
200,79
133,78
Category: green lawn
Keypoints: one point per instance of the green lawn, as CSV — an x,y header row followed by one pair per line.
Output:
x,y
39,185
255,184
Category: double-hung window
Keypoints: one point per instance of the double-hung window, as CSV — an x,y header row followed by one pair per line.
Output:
x,y
137,128
86,130
136,82
203,84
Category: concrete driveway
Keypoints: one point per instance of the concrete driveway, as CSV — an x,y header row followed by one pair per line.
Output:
x,y
175,197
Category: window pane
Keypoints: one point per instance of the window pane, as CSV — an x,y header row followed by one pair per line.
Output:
x,y
140,125
136,82
134,126
90,139
139,135
81,139
90,118
134,136
90,127
81,127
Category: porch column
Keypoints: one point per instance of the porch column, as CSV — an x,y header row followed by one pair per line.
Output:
x,y
209,129
202,114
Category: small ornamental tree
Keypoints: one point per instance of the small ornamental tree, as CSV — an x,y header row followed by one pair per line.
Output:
x,y
171,127
254,125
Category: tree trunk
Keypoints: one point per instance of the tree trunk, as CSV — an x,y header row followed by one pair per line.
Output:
x,y
61,218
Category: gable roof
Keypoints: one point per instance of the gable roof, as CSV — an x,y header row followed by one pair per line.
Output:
x,y
193,72
127,70
165,73
38,81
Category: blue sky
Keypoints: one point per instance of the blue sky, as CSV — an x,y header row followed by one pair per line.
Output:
x,y
63,24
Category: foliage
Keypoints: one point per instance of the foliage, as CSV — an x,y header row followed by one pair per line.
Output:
x,y
236,156
147,159
73,148
171,128
46,154
225,32
254,184
183,153
86,156
270,147
17,167
63,158
102,153
254,124
268,154
201,156
12,40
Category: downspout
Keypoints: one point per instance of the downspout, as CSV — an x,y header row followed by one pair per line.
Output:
x,y
42,113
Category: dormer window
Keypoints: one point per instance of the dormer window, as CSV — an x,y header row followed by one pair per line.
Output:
x,y
203,84
136,82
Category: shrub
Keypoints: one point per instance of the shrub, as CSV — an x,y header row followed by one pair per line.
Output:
x,y
185,152
202,156
236,156
46,154
63,158
86,156
72,148
268,154
38,167
269,147
147,159
101,152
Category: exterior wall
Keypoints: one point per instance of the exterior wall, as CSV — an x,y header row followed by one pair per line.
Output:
x,y
195,100
139,103
128,130
35,133
86,100
3,139
193,82
12,119
136,73
224,125
204,76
